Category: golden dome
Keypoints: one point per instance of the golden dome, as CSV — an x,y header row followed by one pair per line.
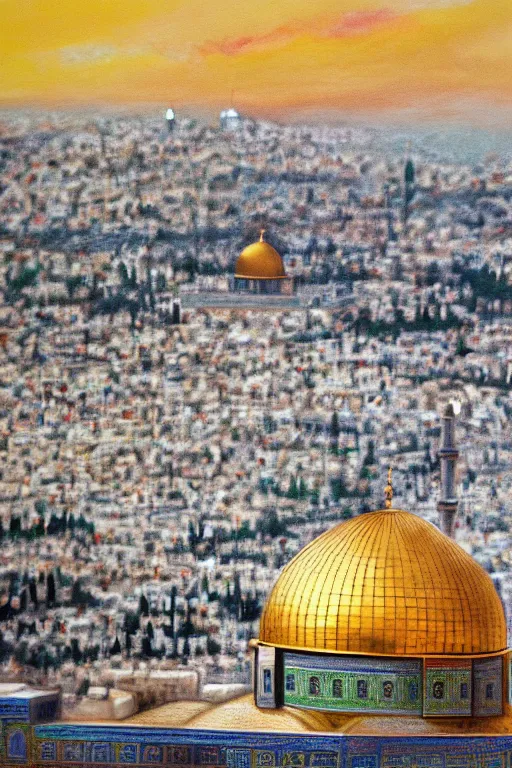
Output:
x,y
260,261
386,583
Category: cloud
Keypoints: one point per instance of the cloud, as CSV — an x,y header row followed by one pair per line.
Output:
x,y
344,25
87,53
358,23
239,45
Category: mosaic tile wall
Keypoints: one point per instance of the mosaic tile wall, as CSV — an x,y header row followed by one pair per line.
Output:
x,y
266,677
17,738
509,665
64,746
487,680
353,684
447,687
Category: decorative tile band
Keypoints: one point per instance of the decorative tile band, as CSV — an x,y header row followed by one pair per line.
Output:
x,y
108,746
348,684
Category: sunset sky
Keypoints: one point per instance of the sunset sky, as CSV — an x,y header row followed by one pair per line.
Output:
x,y
445,59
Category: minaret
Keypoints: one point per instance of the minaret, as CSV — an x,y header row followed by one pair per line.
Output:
x,y
170,119
409,185
448,455
388,490
176,311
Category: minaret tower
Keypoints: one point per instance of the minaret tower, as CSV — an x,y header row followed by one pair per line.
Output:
x,y
388,490
448,455
409,185
170,119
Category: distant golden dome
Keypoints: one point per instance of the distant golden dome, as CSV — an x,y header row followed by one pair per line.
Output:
x,y
385,583
260,261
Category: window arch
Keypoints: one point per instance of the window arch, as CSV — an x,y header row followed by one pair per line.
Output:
x,y
362,689
388,689
314,686
438,689
267,680
413,690
337,689
17,745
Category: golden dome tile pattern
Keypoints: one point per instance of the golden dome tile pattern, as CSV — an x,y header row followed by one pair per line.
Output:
x,y
387,583
260,261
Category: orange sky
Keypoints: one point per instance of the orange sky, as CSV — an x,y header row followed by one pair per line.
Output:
x,y
422,58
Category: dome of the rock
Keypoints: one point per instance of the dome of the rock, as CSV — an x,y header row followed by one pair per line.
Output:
x,y
385,583
260,261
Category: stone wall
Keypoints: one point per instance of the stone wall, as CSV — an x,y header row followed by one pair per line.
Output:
x,y
487,681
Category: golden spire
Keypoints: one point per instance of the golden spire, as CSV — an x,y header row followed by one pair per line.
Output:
x,y
262,232
388,490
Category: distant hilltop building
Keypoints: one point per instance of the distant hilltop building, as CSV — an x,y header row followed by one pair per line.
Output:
x,y
170,119
260,281
230,120
260,270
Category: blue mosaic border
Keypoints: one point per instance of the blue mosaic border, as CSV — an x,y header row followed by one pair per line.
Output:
x,y
135,734
64,746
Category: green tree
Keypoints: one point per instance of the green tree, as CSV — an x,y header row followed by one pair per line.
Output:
x,y
161,283
72,283
335,426
213,648
338,489
293,490
370,456
123,273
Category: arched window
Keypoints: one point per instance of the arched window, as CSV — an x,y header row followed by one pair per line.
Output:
x,y
17,745
489,691
362,689
267,681
438,689
464,690
413,690
387,689
337,689
314,686
290,681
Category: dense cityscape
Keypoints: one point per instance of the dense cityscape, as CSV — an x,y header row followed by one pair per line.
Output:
x,y
163,458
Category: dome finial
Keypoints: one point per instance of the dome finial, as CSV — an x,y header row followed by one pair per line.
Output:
x,y
262,232
388,490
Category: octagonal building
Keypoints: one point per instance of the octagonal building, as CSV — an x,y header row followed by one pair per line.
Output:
x,y
383,613
260,270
